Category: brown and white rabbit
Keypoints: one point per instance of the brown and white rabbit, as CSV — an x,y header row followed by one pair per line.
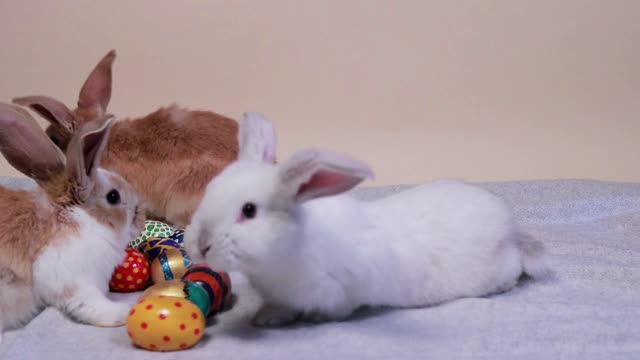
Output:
x,y
168,156
61,241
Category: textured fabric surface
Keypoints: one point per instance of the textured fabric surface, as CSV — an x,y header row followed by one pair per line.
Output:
x,y
589,308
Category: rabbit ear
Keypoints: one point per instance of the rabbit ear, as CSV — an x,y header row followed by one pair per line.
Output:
x,y
256,138
83,155
26,146
314,173
50,109
96,91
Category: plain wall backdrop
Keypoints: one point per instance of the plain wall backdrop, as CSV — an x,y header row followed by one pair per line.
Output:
x,y
481,90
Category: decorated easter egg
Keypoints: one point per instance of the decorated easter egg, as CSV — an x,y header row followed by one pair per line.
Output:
x,y
178,237
181,288
216,283
165,323
171,264
199,296
132,274
174,288
154,246
151,229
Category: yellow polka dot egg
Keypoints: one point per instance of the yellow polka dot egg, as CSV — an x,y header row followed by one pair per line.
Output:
x,y
165,323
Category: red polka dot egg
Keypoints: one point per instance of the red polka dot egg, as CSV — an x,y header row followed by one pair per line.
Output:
x,y
164,323
132,274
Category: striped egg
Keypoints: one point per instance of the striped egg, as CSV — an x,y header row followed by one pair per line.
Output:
x,y
154,246
170,264
216,283
178,237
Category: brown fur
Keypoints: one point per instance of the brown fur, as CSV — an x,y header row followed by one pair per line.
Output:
x,y
59,189
90,185
33,222
168,156
109,215
171,162
34,219
59,135
26,147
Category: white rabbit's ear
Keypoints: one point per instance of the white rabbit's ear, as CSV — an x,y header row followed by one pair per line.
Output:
x,y
256,138
314,173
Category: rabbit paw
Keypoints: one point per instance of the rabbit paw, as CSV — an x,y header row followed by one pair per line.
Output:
x,y
275,315
228,304
99,312
113,315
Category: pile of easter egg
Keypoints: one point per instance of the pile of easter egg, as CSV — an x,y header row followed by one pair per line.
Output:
x,y
179,296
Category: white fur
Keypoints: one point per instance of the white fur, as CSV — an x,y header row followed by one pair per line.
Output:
x,y
71,274
82,264
326,257
17,304
72,271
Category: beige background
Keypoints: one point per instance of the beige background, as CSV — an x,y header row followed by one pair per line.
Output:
x,y
483,90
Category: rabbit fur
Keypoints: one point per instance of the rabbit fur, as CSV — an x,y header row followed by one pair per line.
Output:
x,y
309,249
168,156
61,241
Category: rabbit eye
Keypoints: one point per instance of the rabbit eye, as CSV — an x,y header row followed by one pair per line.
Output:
x,y
249,210
113,197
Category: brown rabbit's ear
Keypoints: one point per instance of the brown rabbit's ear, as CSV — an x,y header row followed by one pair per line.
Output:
x,y
96,91
26,146
50,109
83,155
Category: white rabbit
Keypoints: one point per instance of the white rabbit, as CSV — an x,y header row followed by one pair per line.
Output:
x,y
61,241
309,251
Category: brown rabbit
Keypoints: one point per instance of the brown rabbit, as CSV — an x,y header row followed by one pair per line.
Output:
x,y
61,241
168,156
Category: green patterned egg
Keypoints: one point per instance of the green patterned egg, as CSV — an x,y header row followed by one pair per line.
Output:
x,y
152,228
199,296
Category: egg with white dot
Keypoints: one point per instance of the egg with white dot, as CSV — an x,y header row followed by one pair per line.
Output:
x,y
164,323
